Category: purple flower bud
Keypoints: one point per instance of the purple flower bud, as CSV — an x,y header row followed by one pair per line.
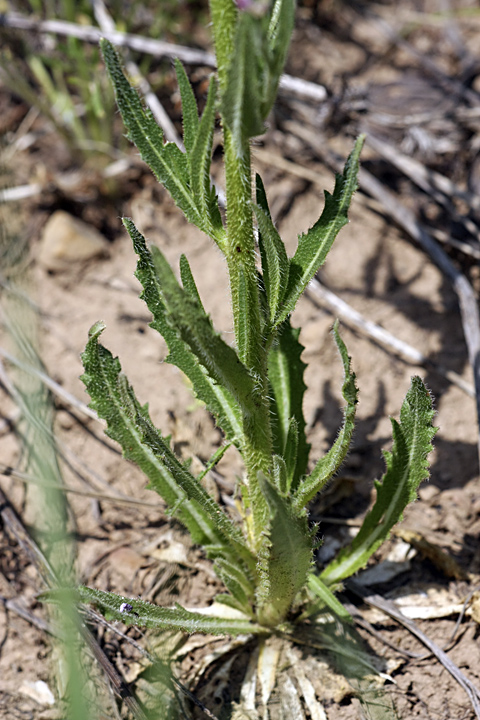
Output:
x,y
126,607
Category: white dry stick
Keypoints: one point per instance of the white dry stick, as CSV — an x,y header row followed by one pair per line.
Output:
x,y
353,318
303,89
439,187
51,384
107,25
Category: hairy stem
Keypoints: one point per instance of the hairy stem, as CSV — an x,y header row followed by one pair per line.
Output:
x,y
240,256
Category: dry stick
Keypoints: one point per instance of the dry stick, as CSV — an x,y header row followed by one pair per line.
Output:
x,y
449,84
407,221
19,609
116,681
157,48
345,311
51,385
8,471
407,352
107,25
390,609
434,184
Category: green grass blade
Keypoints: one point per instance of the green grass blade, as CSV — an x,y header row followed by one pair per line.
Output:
x,y
218,400
314,246
284,558
129,424
327,466
407,466
145,614
285,372
189,107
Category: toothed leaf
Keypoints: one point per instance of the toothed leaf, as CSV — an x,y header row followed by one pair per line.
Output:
x,y
407,466
327,597
326,468
145,614
218,399
200,158
314,246
129,424
189,107
275,264
285,372
168,163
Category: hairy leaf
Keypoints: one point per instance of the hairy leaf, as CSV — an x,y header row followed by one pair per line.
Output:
x,y
284,558
188,281
200,158
406,468
275,264
325,468
129,424
218,399
285,372
166,160
145,614
256,63
241,100
235,580
196,330
314,245
189,108
291,452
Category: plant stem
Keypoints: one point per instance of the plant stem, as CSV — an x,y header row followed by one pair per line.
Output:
x,y
240,256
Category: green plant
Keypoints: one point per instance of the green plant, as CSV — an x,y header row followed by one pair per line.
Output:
x,y
254,391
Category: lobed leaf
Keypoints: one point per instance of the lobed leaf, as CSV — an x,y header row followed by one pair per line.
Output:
x,y
407,466
218,399
314,246
327,466
145,614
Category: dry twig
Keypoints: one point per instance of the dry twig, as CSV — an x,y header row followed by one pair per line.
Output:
x,y
390,609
